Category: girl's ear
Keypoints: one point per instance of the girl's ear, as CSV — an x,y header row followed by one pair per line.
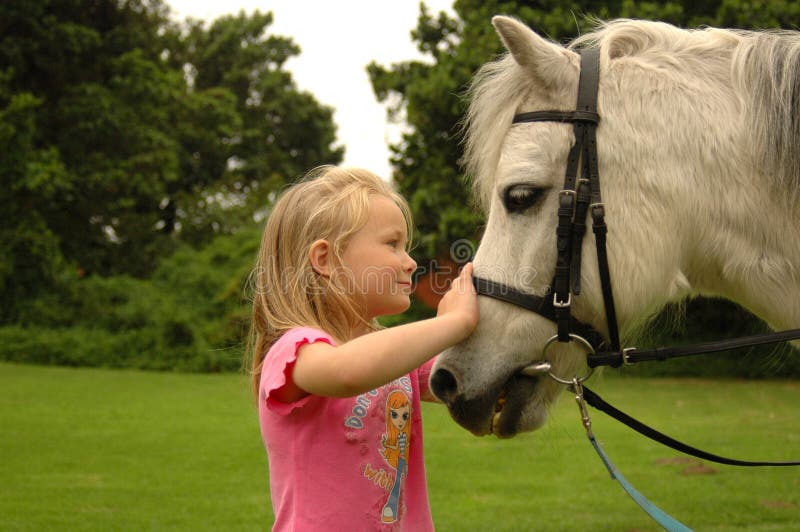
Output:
x,y
320,257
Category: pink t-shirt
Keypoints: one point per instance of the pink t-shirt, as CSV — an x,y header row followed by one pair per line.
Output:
x,y
333,462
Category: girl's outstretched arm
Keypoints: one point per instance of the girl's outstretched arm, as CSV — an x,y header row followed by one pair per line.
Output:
x,y
374,359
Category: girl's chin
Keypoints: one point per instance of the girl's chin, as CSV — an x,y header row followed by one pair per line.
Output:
x,y
400,303
403,305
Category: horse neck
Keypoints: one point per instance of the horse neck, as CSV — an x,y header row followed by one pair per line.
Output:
x,y
746,249
693,167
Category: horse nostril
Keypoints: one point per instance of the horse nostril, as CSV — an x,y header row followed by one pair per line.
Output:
x,y
444,386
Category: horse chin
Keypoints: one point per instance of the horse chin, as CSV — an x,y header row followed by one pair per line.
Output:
x,y
522,410
525,406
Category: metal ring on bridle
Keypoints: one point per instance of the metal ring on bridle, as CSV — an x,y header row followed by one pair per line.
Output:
x,y
589,351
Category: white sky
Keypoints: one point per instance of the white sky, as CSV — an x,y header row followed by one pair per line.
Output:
x,y
338,39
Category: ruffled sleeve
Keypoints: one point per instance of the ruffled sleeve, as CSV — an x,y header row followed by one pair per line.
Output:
x,y
424,376
279,362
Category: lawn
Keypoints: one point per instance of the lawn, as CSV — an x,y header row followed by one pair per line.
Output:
x,y
89,449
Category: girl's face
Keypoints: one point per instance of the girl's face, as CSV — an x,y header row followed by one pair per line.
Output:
x,y
399,416
376,256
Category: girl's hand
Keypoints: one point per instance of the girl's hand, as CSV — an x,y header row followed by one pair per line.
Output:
x,y
461,300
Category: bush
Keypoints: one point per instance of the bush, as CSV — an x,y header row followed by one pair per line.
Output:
x,y
189,316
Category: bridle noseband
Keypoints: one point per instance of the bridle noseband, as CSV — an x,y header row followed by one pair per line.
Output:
x,y
578,197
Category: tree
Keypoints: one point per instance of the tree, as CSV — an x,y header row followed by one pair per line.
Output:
x,y
123,133
280,132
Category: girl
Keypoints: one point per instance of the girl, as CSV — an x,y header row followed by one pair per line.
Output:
x,y
333,257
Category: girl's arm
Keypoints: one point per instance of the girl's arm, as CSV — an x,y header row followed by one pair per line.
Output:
x,y
429,397
377,358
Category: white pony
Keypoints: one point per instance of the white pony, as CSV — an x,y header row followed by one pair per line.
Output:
x,y
699,149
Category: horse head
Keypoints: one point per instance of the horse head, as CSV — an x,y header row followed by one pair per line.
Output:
x,y
689,207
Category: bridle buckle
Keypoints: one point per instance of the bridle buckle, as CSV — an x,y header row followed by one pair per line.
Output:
x,y
562,304
598,209
626,355
567,198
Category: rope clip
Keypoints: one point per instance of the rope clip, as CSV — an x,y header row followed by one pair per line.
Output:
x,y
585,419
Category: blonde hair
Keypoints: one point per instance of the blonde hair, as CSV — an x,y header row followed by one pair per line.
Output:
x,y
329,203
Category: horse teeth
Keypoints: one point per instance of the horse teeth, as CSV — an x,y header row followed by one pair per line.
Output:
x,y
501,402
495,422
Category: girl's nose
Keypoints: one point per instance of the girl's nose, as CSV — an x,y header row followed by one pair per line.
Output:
x,y
410,264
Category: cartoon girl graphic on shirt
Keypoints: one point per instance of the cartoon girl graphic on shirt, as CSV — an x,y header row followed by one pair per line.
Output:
x,y
395,444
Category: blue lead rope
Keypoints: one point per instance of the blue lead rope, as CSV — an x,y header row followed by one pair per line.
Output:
x,y
659,516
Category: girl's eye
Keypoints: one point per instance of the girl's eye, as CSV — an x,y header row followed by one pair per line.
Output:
x,y
394,243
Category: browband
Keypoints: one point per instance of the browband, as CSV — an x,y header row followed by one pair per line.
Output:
x,y
557,116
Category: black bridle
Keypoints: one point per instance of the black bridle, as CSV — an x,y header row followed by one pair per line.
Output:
x,y
580,197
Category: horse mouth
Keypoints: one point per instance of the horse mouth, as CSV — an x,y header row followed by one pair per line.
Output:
x,y
498,410
513,399
514,403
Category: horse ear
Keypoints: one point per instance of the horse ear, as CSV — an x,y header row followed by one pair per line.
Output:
x,y
543,59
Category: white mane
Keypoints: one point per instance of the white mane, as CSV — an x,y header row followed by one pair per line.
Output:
x,y
763,67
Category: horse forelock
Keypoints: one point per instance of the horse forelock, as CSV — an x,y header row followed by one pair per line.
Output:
x,y
495,92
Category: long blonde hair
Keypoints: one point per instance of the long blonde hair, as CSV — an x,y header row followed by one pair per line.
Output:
x,y
329,203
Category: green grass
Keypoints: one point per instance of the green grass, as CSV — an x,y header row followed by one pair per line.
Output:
x,y
553,479
89,449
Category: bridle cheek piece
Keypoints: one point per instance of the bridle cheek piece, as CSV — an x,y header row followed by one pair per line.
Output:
x,y
578,197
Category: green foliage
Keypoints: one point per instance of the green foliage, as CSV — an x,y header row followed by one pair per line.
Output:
x,y
212,282
190,316
136,152
29,250
125,134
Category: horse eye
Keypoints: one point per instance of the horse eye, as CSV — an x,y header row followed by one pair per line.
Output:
x,y
517,198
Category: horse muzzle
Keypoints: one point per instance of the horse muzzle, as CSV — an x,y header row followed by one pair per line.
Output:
x,y
512,404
